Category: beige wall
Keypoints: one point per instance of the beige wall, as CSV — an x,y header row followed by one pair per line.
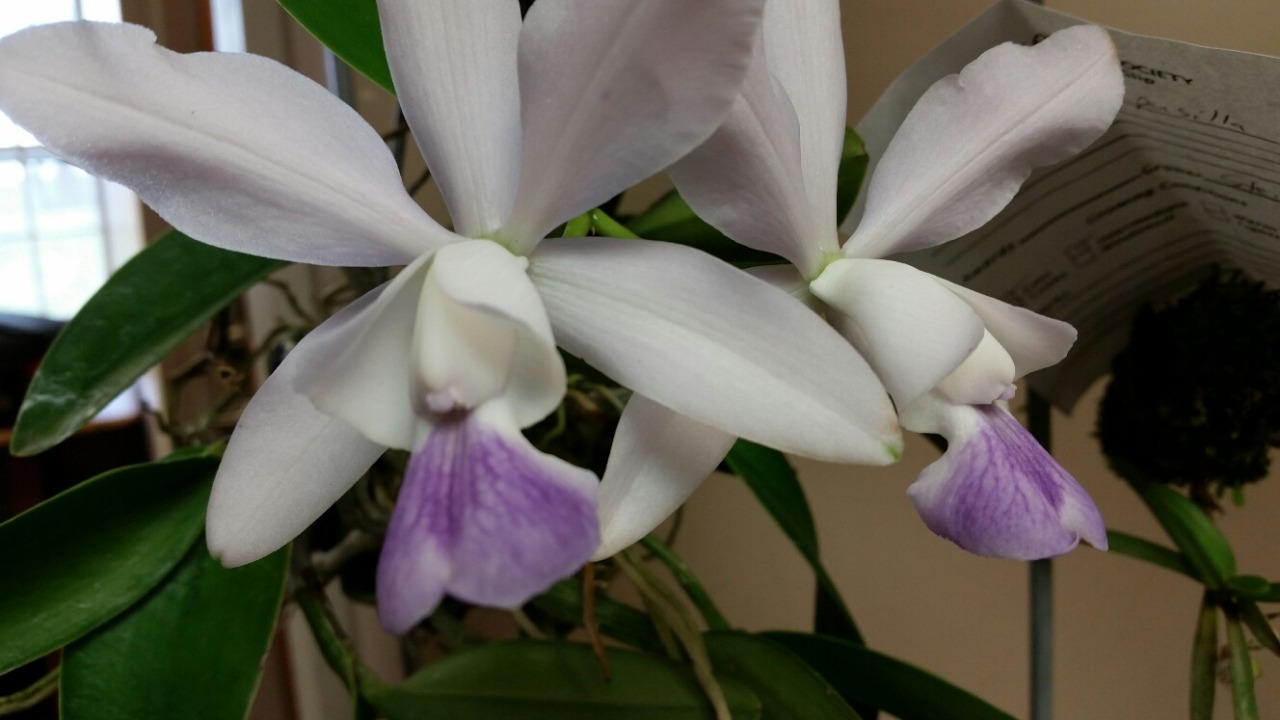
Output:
x,y
1123,630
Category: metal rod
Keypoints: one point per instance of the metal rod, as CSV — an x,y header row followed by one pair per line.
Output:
x,y
1040,426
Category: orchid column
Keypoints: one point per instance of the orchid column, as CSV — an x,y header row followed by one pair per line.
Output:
x,y
524,125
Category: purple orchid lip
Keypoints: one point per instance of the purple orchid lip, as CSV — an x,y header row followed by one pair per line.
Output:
x,y
484,517
996,492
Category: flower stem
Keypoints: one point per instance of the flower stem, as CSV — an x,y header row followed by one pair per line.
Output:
x,y
689,582
668,606
609,227
31,695
1204,660
1242,695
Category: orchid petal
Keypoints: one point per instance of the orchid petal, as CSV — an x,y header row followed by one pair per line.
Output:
x,y
806,53
996,492
973,138
612,91
659,457
285,464
482,332
454,66
1032,340
913,331
746,180
484,517
360,371
713,343
235,150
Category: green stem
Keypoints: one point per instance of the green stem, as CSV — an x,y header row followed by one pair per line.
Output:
x,y
31,695
668,605
1204,660
579,226
1242,696
692,586
337,652
609,227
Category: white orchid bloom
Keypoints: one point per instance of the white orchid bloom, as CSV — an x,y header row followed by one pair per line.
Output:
x,y
948,355
524,125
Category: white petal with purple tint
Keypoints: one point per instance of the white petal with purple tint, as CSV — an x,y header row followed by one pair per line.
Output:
x,y
659,457
612,91
235,150
285,463
806,53
971,140
484,517
996,492
715,344
454,65
746,179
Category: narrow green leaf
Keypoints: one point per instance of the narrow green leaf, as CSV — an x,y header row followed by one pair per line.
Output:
x,y
350,28
145,310
1147,551
864,676
689,582
1260,626
1204,660
774,482
563,602
75,561
853,168
554,680
1201,542
1252,587
1243,698
192,649
1272,595
786,685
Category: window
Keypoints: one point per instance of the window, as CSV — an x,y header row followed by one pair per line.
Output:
x,y
62,231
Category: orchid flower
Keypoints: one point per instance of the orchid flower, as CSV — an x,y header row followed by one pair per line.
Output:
x,y
524,124
947,355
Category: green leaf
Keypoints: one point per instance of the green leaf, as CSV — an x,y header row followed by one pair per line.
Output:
x,y
192,649
145,310
1204,661
563,602
786,685
554,680
1201,542
1252,587
350,28
1260,626
79,559
864,676
774,482
853,168
1147,551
